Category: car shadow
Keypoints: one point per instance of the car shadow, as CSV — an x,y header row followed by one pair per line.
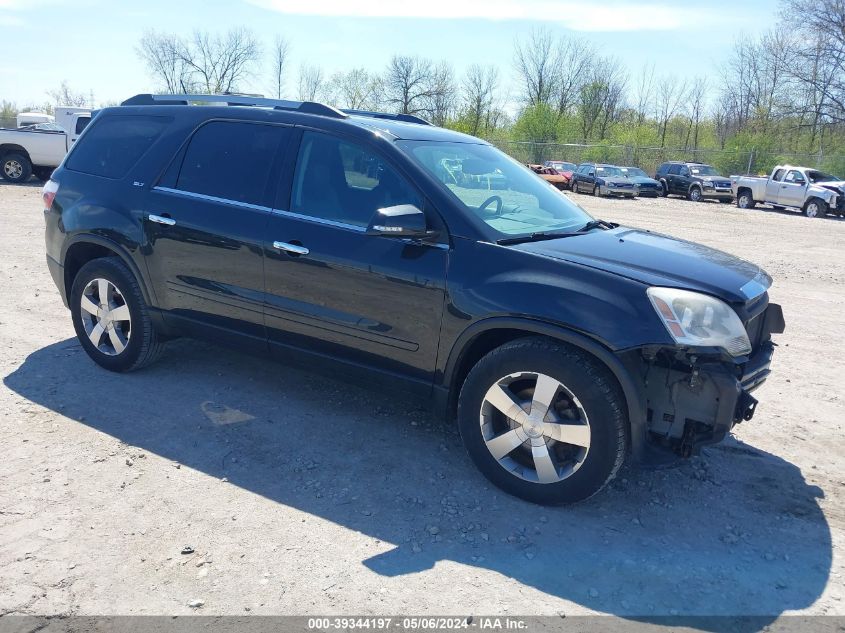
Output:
x,y
791,212
736,532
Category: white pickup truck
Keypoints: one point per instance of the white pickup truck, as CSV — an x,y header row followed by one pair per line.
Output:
x,y
801,188
38,149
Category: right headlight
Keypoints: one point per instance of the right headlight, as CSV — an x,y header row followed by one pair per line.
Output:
x,y
693,318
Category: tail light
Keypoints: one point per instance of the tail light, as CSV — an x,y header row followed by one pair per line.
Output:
x,y
48,193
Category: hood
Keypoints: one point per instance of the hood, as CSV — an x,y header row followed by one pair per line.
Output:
x,y
615,180
836,185
642,180
659,260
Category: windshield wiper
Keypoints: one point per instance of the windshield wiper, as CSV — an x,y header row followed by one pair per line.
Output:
x,y
543,235
594,224
534,237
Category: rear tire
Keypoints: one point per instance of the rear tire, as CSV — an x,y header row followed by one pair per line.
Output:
x,y
111,318
745,200
15,168
43,173
524,458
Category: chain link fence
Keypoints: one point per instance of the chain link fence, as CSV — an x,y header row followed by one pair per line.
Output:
x,y
649,158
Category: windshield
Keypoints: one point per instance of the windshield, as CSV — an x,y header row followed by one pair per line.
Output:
x,y
507,198
820,176
703,170
635,172
609,171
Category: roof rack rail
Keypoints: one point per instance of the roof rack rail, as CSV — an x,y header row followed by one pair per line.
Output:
x,y
407,118
308,107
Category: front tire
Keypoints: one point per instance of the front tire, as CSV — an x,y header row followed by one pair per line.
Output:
x,y
815,208
695,194
15,168
543,421
111,318
597,191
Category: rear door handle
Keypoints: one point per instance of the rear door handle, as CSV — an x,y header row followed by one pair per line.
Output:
x,y
295,249
162,219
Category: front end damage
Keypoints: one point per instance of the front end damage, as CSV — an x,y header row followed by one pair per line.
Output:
x,y
695,396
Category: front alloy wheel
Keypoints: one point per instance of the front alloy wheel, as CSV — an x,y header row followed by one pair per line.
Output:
x,y
695,194
535,427
543,420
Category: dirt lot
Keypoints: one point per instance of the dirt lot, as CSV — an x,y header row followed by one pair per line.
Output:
x,y
298,494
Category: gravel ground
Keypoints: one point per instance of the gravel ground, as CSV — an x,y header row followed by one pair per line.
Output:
x,y
244,486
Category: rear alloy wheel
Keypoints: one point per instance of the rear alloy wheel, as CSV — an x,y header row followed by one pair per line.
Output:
x,y
815,208
745,200
110,316
695,194
543,421
15,168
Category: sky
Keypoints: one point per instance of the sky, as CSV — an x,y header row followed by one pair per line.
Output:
x,y
91,43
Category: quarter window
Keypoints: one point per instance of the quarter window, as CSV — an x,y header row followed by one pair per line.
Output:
x,y
231,160
344,182
115,144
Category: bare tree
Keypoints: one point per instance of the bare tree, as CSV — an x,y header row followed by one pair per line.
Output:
x,y
214,63
64,95
279,61
671,92
601,98
575,61
311,83
221,62
159,51
537,67
355,89
695,104
479,89
413,85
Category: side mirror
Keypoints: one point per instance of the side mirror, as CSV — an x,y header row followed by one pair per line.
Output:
x,y
402,220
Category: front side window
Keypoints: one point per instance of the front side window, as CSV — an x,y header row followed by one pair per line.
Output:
x,y
505,197
344,182
231,160
794,176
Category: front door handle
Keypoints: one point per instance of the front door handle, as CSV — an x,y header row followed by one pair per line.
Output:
x,y
294,249
162,219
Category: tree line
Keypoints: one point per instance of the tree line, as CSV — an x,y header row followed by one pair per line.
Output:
x,y
778,94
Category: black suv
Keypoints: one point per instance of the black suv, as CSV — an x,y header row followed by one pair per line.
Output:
x,y
694,181
560,343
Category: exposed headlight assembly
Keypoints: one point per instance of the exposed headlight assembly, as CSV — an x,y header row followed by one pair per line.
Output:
x,y
697,319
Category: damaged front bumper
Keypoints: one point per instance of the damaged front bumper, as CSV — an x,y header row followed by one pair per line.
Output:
x,y
693,397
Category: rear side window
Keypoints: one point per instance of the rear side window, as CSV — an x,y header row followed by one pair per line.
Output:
x,y
115,143
231,160
81,123
674,169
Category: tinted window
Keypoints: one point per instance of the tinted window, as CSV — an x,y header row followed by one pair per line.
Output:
x,y
115,144
674,169
231,160
344,182
779,174
81,123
